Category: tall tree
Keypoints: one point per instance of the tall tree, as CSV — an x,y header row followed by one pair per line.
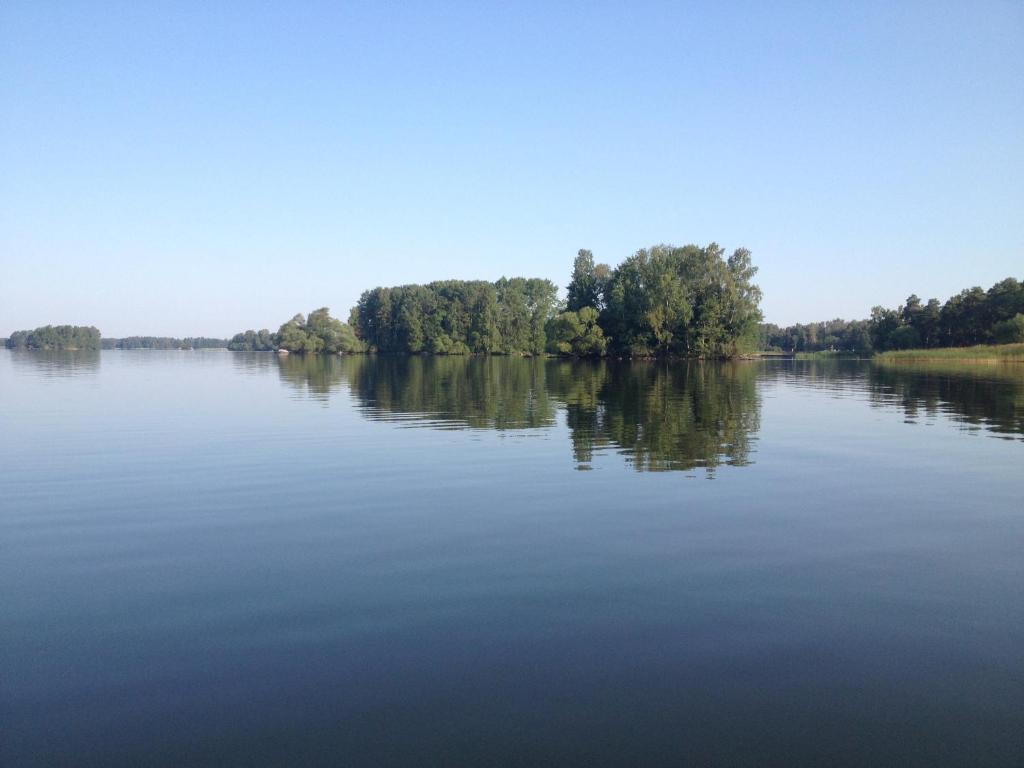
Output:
x,y
583,288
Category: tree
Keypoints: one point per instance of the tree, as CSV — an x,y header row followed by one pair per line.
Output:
x,y
904,337
962,318
1009,331
927,323
253,341
577,333
457,317
883,323
583,289
683,301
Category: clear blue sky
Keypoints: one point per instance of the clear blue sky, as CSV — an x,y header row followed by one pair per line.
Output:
x,y
200,168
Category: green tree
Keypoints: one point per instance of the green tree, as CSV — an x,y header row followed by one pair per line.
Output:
x,y
584,289
1009,331
576,333
683,301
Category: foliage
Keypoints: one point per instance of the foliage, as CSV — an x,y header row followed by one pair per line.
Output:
x,y
904,337
253,341
687,301
829,336
663,301
56,337
164,342
588,283
318,333
576,333
973,316
1009,331
454,317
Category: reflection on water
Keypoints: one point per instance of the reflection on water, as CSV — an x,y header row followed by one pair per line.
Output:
x,y
56,364
978,396
316,375
986,398
226,558
453,392
659,416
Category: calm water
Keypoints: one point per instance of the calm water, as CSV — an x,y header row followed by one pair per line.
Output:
x,y
216,559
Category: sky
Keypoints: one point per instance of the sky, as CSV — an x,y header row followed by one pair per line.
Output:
x,y
201,168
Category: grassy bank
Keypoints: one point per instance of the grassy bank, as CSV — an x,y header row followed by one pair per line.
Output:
x,y
994,353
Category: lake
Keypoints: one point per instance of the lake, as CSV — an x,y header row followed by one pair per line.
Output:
x,y
214,558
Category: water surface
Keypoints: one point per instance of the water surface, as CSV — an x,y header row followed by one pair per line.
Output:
x,y
214,558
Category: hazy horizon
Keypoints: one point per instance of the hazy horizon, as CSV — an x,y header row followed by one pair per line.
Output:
x,y
183,170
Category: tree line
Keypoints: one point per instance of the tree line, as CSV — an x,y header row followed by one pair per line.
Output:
x,y
164,342
662,301
458,317
973,316
56,337
78,337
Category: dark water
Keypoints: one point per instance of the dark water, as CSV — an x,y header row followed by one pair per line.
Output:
x,y
216,559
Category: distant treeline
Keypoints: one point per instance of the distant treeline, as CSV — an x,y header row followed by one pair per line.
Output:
x,y
77,337
973,316
56,337
164,342
662,301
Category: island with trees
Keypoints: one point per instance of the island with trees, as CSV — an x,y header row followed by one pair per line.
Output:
x,y
73,338
664,301
64,338
164,342
661,302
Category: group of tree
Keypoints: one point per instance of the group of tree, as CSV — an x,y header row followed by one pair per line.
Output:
x,y
663,301
830,335
457,317
319,332
253,341
164,342
973,316
667,301
56,337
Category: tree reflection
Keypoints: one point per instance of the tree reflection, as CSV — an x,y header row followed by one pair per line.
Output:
x,y
476,392
661,416
57,364
985,396
316,375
